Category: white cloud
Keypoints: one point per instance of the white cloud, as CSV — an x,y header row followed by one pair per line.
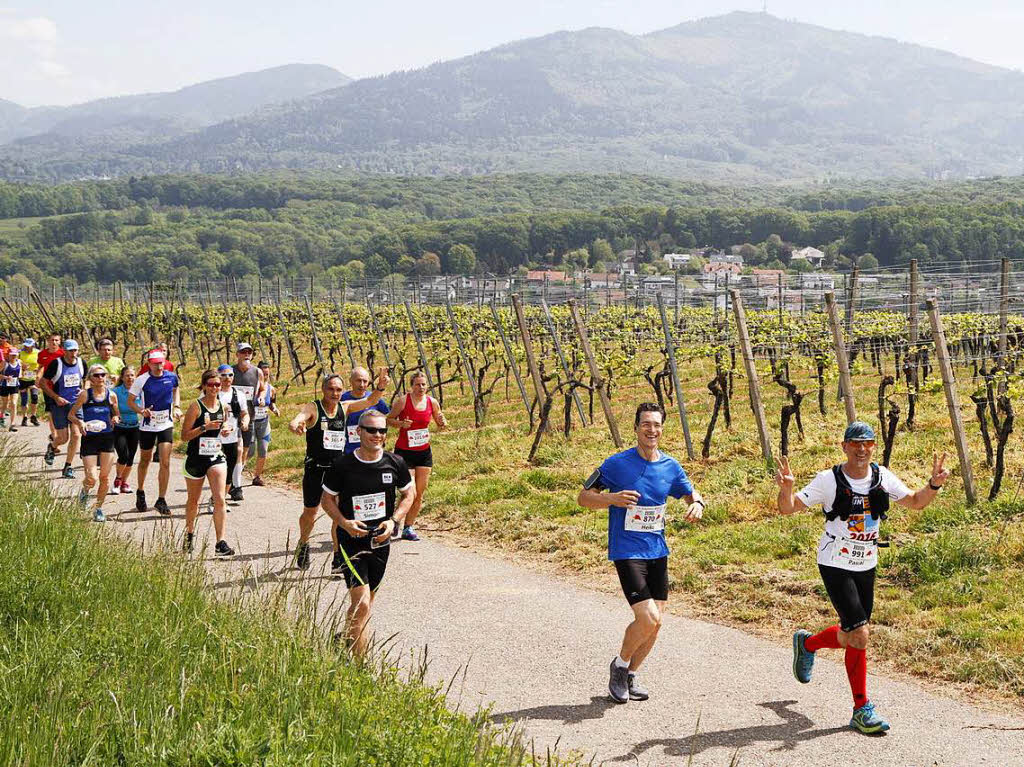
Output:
x,y
37,29
52,68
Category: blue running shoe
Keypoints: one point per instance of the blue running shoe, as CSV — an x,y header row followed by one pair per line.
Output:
x,y
408,534
803,659
68,473
83,498
98,516
865,720
48,456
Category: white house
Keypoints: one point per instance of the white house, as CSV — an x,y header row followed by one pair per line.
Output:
x,y
813,256
675,260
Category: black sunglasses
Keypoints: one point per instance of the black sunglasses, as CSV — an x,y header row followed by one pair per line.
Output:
x,y
375,429
98,375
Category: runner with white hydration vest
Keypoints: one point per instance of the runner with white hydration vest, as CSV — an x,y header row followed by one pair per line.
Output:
x,y
855,497
639,482
266,403
96,413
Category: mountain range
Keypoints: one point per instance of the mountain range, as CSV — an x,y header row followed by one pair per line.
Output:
x,y
745,96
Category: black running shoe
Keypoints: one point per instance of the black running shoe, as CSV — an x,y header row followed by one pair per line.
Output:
x,y
24,420
140,502
48,456
236,495
302,556
338,564
190,540
223,550
35,421
162,507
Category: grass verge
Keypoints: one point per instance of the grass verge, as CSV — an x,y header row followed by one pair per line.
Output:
x,y
109,657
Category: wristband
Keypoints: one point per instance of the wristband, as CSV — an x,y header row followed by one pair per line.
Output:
x,y
936,488
380,390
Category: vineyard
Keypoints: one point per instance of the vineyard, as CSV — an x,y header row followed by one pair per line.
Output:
x,y
951,604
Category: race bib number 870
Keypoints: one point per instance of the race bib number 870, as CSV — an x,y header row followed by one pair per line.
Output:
x,y
645,519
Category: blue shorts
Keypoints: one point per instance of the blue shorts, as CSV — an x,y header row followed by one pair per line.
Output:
x,y
59,414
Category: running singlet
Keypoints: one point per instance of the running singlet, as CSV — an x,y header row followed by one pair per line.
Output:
x,y
97,410
261,410
638,532
12,373
157,394
850,544
366,490
29,363
325,439
129,418
67,379
352,422
234,402
247,382
416,437
206,446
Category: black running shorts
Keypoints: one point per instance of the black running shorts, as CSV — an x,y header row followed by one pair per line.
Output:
x,y
416,459
363,566
643,579
852,593
147,439
312,485
94,444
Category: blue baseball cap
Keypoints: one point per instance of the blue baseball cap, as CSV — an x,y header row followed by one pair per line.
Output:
x,y
71,345
858,431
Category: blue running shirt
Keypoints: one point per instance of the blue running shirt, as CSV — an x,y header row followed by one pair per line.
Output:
x,y
655,481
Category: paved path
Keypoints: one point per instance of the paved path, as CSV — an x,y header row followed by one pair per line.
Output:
x,y
536,649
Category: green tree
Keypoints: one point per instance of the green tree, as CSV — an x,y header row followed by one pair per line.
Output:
x,y
867,263
428,265
601,250
461,259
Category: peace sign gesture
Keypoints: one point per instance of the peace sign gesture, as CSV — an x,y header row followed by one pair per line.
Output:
x,y
939,474
784,475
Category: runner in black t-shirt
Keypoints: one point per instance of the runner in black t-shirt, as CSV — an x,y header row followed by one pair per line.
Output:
x,y
359,495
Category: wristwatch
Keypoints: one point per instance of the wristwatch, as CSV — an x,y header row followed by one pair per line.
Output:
x,y
936,488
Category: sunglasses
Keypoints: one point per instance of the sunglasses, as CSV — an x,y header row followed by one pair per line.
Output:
x,y
227,375
213,383
98,375
382,430
866,443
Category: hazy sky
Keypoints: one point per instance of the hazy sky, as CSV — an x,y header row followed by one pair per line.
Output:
x,y
66,51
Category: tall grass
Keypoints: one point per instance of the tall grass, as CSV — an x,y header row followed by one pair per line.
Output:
x,y
111,657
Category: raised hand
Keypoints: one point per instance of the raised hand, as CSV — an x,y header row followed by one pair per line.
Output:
x,y
939,474
382,378
784,475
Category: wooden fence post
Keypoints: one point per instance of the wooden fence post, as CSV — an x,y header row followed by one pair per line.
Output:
x,y
914,299
1004,307
839,345
755,389
380,336
344,330
511,360
315,337
424,362
595,374
477,401
952,400
670,350
561,358
531,361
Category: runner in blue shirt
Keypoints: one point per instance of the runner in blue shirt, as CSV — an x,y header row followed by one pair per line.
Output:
x,y
639,482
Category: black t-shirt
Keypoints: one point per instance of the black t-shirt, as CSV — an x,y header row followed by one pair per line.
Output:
x,y
366,491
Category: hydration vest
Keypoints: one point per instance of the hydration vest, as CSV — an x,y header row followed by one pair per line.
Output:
x,y
846,498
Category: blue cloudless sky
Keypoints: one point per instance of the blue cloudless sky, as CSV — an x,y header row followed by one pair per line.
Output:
x,y
67,51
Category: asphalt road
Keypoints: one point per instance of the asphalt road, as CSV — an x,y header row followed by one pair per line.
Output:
x,y
536,649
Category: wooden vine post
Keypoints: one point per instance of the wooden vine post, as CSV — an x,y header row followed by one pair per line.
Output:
x,y
562,360
315,337
344,329
913,304
1004,307
952,400
424,362
380,336
755,388
671,351
511,361
477,402
531,361
595,374
839,345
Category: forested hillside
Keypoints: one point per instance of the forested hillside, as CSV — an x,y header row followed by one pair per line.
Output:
x,y
326,225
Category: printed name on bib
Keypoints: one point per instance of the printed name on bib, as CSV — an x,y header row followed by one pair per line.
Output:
x,y
261,412
334,440
645,519
353,435
418,437
209,446
72,379
160,417
854,555
368,507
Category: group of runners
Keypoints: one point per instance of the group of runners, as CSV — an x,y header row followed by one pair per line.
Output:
x,y
855,496
372,496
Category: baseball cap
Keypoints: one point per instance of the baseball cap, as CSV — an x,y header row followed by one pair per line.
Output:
x,y
858,431
243,346
29,342
71,345
156,356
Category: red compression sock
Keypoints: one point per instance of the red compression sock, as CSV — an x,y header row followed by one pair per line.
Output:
x,y
823,640
857,671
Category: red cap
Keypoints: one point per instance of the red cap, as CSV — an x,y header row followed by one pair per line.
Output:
x,y
156,356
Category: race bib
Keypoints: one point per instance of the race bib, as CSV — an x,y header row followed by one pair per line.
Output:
x,y
854,555
418,437
353,435
94,426
209,447
261,412
72,379
645,519
366,508
160,418
334,440
246,390
12,380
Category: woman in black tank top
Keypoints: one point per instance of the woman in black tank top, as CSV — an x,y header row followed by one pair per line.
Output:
x,y
204,460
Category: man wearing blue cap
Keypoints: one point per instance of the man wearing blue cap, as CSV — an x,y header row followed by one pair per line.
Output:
x,y
855,496
62,381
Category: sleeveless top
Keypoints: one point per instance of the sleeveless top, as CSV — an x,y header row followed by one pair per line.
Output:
x,y
98,410
325,440
129,418
68,381
205,446
12,373
417,437
247,382
261,411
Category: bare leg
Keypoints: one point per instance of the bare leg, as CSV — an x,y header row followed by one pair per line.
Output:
x,y
89,478
306,523
216,476
73,441
422,475
145,458
62,436
360,603
164,473
106,461
195,489
642,631
640,653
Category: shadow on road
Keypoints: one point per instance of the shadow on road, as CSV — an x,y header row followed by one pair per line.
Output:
x,y
794,729
569,714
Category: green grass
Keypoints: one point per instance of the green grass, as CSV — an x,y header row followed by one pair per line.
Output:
x,y
108,657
